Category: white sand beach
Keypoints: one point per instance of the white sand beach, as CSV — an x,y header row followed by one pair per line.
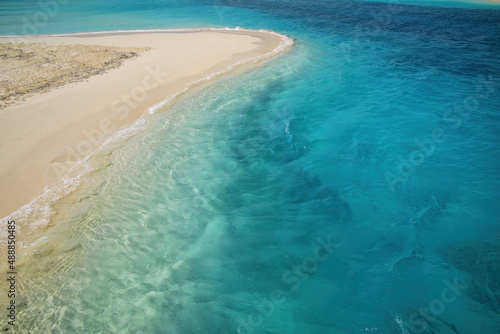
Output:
x,y
44,135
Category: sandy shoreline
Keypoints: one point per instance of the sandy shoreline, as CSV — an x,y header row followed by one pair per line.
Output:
x,y
44,136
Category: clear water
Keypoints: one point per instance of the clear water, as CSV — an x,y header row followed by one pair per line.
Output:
x,y
350,186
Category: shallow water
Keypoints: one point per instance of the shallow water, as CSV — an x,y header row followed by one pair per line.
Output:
x,y
349,186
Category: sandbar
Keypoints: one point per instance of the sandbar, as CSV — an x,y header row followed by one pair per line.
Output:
x,y
44,135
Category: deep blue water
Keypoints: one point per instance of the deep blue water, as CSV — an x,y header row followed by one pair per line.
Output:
x,y
350,186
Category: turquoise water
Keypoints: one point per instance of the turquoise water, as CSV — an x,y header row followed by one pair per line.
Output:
x,y
350,186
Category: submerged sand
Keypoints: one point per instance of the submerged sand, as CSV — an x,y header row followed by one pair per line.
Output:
x,y
42,137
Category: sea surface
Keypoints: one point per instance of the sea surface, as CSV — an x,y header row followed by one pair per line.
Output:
x,y
351,185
